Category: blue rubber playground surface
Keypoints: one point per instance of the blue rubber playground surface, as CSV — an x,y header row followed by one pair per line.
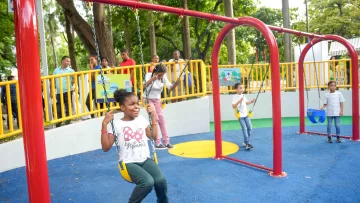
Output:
x,y
317,172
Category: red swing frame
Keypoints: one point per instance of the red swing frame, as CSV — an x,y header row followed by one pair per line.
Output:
x,y
27,49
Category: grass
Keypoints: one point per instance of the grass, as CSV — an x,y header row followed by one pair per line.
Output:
x,y
267,122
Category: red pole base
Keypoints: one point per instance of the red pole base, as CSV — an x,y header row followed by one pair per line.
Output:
x,y
283,175
325,134
218,158
247,163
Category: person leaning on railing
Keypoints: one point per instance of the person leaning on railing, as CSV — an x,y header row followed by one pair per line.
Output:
x,y
176,70
154,61
92,66
127,61
14,109
63,69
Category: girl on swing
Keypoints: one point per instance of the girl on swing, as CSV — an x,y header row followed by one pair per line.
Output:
x,y
154,86
132,132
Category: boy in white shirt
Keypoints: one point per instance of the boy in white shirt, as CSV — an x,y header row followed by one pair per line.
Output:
x,y
334,104
239,101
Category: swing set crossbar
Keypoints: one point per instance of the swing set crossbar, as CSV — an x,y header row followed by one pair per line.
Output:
x,y
197,14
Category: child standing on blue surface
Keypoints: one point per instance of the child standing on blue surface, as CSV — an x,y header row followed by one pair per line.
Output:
x,y
155,82
132,132
239,101
334,104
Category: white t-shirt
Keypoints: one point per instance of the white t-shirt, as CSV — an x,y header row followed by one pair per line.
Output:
x,y
175,72
157,87
242,107
132,139
333,100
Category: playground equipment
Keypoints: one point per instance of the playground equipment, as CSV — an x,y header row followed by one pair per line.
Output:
x,y
27,50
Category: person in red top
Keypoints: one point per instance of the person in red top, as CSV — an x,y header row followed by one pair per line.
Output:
x,y
127,61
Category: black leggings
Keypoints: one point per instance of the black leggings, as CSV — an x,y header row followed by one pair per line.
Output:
x,y
88,101
147,175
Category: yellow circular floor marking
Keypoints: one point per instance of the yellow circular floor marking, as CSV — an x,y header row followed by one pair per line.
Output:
x,y
202,149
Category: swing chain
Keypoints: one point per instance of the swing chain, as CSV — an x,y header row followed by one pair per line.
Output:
x,y
256,43
106,100
306,86
140,41
262,84
146,92
317,80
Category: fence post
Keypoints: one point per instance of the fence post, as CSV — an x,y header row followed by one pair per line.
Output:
x,y
203,78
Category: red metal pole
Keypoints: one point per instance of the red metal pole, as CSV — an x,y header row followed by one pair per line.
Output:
x,y
302,88
27,55
216,88
248,163
295,32
355,82
325,134
276,96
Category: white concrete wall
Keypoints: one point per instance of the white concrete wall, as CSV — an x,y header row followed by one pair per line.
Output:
x,y
182,118
289,104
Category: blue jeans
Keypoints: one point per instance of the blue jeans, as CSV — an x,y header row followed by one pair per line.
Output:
x,y
246,128
337,124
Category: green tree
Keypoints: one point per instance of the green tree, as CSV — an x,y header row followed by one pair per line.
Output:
x,y
339,17
270,16
7,39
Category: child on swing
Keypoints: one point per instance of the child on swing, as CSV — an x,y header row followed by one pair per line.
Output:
x,y
334,104
134,149
239,101
154,86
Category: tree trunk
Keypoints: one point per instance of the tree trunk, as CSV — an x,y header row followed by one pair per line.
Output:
x,y
102,33
230,38
127,33
53,49
152,34
109,24
70,41
81,27
287,41
186,33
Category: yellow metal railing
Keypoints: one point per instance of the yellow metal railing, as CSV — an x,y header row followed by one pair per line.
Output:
x,y
316,75
196,84
78,82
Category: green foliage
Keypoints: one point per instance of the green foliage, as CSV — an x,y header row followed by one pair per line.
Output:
x,y
340,17
7,39
271,16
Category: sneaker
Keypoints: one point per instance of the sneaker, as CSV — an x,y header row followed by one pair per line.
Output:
x,y
250,146
338,140
244,144
160,146
329,139
169,146
247,147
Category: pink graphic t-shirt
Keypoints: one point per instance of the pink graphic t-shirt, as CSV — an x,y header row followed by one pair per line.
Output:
x,y
132,139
